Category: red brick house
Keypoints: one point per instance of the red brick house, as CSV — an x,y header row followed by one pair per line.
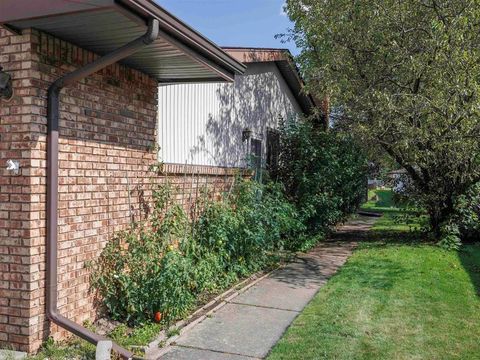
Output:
x,y
81,126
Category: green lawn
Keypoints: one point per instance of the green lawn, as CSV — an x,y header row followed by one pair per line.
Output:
x,y
395,217
396,298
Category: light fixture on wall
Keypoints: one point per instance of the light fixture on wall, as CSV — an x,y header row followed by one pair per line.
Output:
x,y
246,134
6,89
13,166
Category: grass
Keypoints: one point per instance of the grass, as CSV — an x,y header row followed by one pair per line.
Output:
x,y
380,201
396,298
396,217
76,348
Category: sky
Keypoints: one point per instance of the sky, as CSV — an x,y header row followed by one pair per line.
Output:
x,y
235,22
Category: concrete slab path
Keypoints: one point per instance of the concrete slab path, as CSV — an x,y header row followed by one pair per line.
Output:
x,y
249,325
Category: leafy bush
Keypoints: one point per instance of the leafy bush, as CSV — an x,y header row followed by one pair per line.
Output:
x,y
140,271
250,224
464,224
450,237
466,217
164,264
324,174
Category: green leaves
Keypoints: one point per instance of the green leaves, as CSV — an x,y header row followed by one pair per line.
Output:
x,y
165,263
403,77
324,174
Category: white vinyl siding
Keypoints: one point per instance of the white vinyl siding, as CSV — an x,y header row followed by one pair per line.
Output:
x,y
202,124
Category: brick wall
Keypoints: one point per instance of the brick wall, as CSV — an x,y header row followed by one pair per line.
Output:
x,y
107,137
19,252
107,131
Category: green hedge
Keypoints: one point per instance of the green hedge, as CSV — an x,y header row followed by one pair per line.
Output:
x,y
324,173
464,224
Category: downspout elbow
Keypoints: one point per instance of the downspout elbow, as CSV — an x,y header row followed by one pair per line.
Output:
x,y
152,33
55,88
52,314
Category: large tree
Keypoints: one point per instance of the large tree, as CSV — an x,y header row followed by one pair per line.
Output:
x,y
403,75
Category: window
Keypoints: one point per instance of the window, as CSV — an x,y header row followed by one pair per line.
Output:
x,y
273,149
256,158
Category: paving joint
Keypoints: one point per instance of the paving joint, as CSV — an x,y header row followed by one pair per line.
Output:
x,y
215,351
263,306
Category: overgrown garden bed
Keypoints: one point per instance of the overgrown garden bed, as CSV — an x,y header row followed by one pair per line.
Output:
x,y
161,269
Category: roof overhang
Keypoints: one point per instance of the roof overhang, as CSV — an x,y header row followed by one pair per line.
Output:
x,y
286,65
179,54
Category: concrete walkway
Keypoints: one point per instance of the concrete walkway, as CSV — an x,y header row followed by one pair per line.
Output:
x,y
251,323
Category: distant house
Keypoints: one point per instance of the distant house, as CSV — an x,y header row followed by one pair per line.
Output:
x,y
399,180
226,125
375,183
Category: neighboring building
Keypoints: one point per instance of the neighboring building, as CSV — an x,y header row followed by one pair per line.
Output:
x,y
399,180
375,184
57,214
224,125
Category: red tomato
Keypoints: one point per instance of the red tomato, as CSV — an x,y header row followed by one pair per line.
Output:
x,y
158,316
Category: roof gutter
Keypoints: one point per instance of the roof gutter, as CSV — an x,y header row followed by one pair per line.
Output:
x,y
52,179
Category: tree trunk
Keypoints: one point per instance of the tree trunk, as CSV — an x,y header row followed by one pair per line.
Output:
x,y
435,222
439,213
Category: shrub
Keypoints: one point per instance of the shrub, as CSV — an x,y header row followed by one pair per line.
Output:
x,y
464,224
450,237
467,214
324,174
140,271
164,264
